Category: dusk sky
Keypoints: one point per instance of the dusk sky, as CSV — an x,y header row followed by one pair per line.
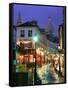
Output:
x,y
40,14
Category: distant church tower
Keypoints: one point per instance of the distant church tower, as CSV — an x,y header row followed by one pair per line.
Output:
x,y
19,19
49,29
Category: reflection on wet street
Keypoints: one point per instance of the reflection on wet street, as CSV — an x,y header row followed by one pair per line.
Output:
x,y
47,74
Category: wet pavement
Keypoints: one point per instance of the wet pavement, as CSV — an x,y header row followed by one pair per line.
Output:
x,y
47,74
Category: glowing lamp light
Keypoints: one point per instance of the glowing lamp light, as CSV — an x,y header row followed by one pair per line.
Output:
x,y
18,42
35,38
21,57
59,48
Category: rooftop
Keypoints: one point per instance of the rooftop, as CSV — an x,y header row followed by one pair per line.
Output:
x,y
28,24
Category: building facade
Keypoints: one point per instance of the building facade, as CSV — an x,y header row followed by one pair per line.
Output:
x,y
25,34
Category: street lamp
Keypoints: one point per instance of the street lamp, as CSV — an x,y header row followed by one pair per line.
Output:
x,y
35,39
